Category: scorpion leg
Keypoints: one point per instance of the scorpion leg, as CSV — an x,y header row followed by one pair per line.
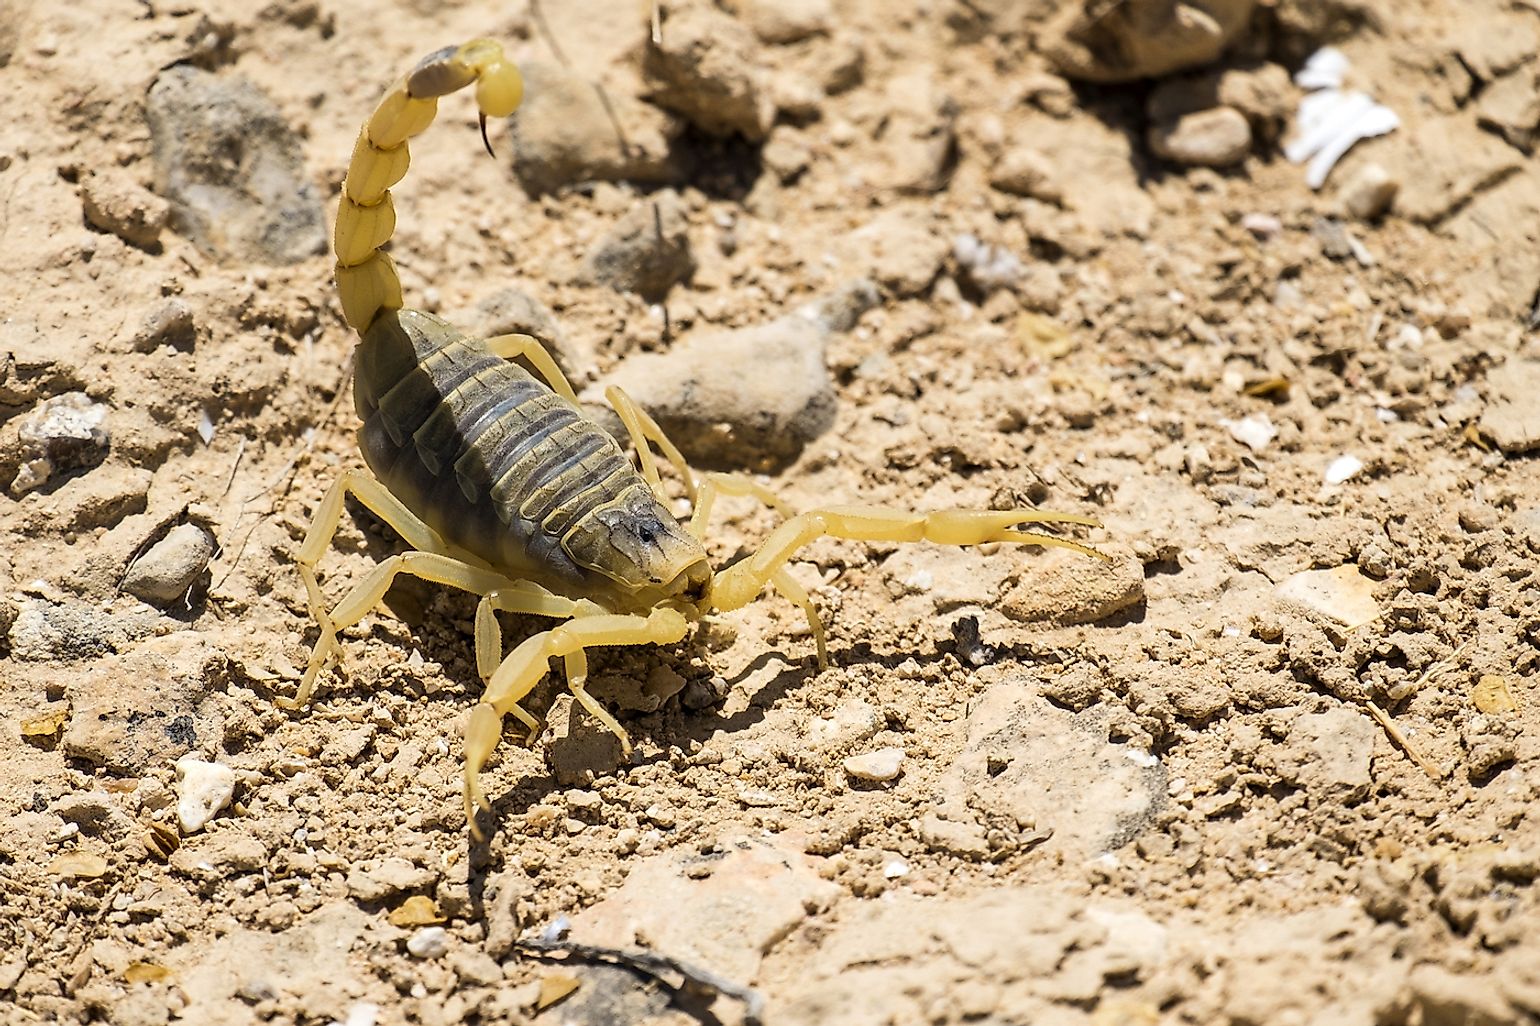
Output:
x,y
527,664
736,586
643,429
713,485
512,347
378,500
518,597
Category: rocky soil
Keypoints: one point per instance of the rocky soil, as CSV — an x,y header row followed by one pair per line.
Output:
x,y
1276,761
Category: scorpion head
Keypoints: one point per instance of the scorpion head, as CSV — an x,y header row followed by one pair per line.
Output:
x,y
634,543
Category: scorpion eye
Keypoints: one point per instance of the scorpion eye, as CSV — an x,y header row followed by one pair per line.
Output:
x,y
647,536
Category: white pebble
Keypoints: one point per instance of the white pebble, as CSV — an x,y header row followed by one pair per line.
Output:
x,y
879,767
203,789
895,869
1343,468
429,942
1255,432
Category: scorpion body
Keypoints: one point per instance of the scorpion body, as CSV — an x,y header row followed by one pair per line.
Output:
x,y
502,487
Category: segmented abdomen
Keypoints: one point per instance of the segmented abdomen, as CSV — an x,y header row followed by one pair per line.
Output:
x,y
490,457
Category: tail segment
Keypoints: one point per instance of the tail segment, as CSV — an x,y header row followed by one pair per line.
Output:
x,y
366,278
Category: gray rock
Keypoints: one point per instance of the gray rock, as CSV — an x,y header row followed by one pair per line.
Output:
x,y
512,310
789,21
117,205
232,168
172,323
171,566
69,631
567,130
838,311
707,68
647,252
748,397
67,432
1217,137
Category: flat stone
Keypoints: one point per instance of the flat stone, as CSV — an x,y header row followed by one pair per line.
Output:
x,y
512,310
878,767
1512,420
222,853
899,249
752,896
148,707
1067,588
1328,754
232,168
919,142
788,21
1343,593
1051,773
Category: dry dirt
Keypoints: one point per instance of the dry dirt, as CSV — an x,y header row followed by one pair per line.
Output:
x,y
1186,786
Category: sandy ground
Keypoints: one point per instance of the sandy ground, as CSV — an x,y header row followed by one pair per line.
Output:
x,y
1274,763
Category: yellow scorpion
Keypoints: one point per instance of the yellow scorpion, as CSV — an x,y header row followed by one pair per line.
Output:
x,y
502,487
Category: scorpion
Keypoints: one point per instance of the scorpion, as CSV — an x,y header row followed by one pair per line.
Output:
x,y
501,486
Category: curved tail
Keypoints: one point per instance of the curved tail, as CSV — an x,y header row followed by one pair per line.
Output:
x,y
366,278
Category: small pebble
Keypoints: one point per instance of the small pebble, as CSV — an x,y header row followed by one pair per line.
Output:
x,y
171,566
429,942
1262,226
1343,468
878,767
1255,432
1369,192
203,789
1217,137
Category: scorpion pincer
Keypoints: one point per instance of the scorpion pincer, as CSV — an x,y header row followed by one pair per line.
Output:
x,y
502,487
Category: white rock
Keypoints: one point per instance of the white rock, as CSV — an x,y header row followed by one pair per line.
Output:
x,y
894,869
429,942
1343,468
879,767
1325,69
1342,593
1255,432
203,789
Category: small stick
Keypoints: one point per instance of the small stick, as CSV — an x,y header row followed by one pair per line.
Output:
x,y
653,964
1401,740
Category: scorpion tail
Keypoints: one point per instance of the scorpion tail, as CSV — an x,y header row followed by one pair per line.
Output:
x,y
366,278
